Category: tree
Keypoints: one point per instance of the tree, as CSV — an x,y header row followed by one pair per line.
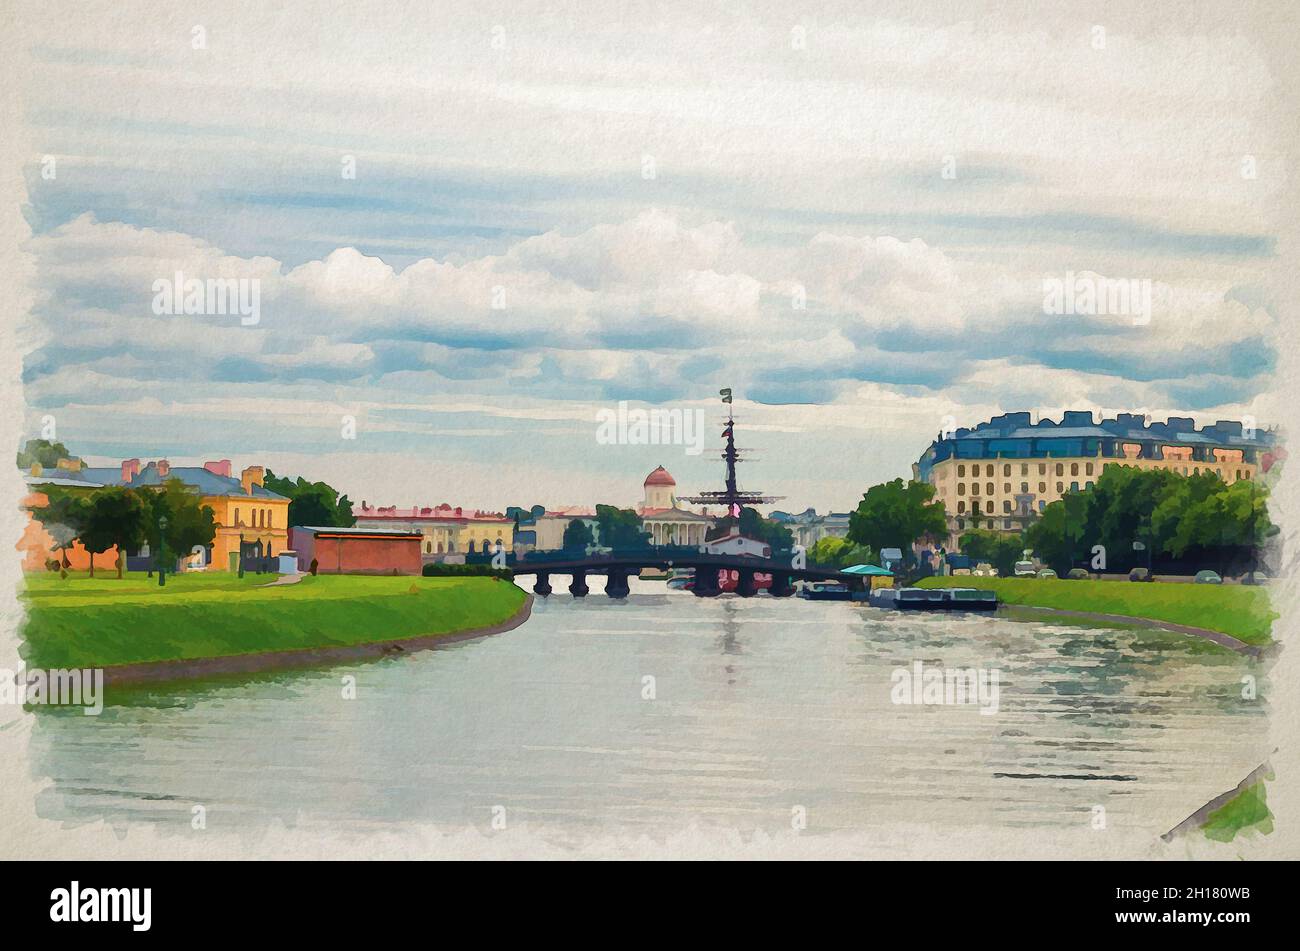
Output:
x,y
896,514
826,552
620,528
832,552
1057,535
1000,549
312,503
115,517
521,514
63,516
190,524
42,452
577,534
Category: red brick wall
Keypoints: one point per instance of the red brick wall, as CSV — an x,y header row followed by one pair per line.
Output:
x,y
366,556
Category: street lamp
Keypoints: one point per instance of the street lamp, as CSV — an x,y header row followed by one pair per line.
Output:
x,y
162,550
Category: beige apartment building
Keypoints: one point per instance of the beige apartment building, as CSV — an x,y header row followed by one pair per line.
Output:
x,y
1001,474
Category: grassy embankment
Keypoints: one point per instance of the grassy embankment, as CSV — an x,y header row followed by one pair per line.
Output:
x,y
84,622
1244,611
1248,810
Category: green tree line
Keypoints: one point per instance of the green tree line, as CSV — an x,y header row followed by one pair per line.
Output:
x,y
1188,522
126,518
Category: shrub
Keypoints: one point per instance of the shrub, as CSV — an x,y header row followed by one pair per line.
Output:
x,y
443,570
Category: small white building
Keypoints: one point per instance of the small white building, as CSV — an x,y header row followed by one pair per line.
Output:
x,y
737,544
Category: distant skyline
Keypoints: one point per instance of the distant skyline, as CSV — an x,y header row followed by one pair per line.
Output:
x,y
848,220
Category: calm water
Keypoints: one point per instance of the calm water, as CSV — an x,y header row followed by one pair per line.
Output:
x,y
760,706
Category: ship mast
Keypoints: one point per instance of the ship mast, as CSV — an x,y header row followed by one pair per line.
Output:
x,y
732,496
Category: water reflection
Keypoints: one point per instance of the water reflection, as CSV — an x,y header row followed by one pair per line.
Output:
x,y
759,705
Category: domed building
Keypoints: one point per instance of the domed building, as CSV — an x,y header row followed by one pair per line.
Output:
x,y
663,519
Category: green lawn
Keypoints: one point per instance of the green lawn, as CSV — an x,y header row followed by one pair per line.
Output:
x,y
1244,611
79,621
1246,810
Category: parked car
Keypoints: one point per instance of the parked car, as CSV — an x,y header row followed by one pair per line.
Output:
x,y
1025,569
1207,577
985,570
1077,574
1141,574
1047,573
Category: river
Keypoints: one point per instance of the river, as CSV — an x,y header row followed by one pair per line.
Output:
x,y
666,711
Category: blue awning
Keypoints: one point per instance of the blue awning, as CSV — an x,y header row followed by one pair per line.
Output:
x,y
867,570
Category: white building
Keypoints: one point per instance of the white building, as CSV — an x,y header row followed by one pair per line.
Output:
x,y
737,544
664,520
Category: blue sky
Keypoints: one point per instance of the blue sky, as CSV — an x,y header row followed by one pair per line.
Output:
x,y
646,196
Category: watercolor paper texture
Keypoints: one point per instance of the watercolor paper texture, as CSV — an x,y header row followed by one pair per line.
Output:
x,y
625,430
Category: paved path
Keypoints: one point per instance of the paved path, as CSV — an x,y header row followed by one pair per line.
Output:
x,y
283,579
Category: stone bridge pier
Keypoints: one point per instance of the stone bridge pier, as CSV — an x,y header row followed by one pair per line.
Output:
x,y
616,585
706,583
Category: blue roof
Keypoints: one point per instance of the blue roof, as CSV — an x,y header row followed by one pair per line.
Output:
x,y
207,483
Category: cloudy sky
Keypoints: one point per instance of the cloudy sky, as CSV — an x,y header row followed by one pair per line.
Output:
x,y
845,217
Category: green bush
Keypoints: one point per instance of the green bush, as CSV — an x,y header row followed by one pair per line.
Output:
x,y
443,570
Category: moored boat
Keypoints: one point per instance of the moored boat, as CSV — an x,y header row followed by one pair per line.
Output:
x,y
934,599
826,591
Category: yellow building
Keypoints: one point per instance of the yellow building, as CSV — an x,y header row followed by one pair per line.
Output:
x,y
445,530
243,508
1001,474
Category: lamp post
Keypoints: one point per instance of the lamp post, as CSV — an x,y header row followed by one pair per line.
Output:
x,y
241,555
162,550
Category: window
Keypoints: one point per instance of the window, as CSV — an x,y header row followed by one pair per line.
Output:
x,y
1060,469
1088,469
1060,487
1074,468
1042,504
988,507
236,516
1074,487
1006,507
961,488
1006,487
1024,468
989,487
1006,470
428,548
961,470
988,470
961,507
1042,488
1042,468
1024,487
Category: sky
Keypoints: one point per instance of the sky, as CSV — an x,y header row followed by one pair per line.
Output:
x,y
845,216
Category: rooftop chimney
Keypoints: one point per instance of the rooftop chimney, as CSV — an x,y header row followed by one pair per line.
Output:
x,y
221,468
250,477
130,469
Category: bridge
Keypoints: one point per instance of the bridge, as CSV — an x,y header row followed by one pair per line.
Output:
x,y
618,566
